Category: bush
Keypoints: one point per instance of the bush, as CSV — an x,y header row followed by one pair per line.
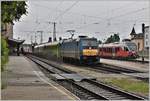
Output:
x,y
4,53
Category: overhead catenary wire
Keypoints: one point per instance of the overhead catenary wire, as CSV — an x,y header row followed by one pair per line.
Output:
x,y
114,17
69,8
78,14
96,17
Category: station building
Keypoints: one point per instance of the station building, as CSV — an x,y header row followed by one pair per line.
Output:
x,y
141,39
7,34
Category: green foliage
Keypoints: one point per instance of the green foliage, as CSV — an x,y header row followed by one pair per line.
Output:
x,y
113,38
4,53
12,10
99,42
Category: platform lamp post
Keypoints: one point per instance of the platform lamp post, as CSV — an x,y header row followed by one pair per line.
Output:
x,y
41,32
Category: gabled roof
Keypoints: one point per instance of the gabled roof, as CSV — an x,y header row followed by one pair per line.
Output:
x,y
133,31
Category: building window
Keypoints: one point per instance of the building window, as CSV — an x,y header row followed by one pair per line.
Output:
x,y
146,43
146,36
138,46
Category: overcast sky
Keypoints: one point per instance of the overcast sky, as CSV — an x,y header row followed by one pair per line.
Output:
x,y
97,19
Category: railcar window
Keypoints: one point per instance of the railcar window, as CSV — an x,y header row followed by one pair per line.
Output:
x,y
132,46
111,50
126,49
117,49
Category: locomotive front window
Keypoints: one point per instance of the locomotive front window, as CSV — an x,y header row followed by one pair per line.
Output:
x,y
90,43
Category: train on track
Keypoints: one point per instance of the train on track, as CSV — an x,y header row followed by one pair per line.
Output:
x,y
122,50
85,50
82,49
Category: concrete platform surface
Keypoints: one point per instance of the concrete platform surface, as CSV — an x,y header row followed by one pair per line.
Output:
x,y
127,64
25,81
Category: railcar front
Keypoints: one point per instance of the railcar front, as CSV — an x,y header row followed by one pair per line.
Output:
x,y
132,50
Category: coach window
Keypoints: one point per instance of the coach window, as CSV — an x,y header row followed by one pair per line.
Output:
x,y
105,49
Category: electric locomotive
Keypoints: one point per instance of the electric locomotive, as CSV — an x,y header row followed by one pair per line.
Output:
x,y
83,49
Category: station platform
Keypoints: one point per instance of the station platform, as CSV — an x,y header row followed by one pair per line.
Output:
x,y
127,64
25,81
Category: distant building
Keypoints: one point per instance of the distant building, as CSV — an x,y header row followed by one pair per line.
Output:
x,y
138,39
146,37
141,39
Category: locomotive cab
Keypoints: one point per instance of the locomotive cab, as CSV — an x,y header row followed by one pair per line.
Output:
x,y
89,50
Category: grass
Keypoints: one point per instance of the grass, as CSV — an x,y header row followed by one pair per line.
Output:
x,y
138,87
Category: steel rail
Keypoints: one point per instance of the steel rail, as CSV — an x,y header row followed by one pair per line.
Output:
x,y
93,90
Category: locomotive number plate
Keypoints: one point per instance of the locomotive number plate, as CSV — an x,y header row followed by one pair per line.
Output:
x,y
90,52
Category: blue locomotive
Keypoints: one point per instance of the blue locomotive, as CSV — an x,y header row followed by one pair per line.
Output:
x,y
82,49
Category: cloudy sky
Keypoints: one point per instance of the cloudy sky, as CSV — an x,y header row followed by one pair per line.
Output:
x,y
97,19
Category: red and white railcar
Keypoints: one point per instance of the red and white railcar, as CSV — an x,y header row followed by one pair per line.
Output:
x,y
118,50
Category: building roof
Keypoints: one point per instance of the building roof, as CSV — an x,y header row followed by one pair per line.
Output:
x,y
133,31
14,42
138,36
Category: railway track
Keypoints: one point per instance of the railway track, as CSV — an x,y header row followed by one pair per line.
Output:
x,y
101,67
85,89
115,69
130,72
130,60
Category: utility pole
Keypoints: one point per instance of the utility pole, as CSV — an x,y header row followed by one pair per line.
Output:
x,y
35,38
54,30
41,36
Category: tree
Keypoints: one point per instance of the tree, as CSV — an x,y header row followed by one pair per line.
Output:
x,y
10,11
4,53
113,38
99,42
